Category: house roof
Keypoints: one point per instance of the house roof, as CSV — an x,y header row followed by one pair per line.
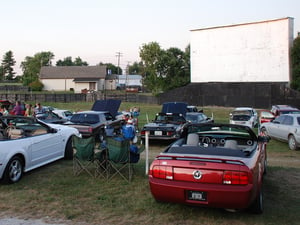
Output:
x,y
72,72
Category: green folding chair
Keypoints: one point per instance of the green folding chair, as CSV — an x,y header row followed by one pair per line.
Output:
x,y
84,156
119,157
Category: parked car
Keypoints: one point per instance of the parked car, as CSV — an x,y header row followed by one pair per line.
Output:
x,y
265,116
212,165
278,110
197,117
165,126
192,108
133,88
286,128
27,143
244,116
65,114
50,117
168,124
7,104
97,121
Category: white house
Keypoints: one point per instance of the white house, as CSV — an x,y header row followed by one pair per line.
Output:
x,y
78,78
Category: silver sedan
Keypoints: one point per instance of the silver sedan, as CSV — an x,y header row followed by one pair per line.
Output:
x,y
284,128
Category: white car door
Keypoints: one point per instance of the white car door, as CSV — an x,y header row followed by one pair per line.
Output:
x,y
285,126
278,127
46,148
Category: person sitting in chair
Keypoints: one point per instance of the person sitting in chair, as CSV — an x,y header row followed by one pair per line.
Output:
x,y
128,130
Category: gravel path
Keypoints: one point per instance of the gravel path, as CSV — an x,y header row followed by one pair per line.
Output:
x,y
16,221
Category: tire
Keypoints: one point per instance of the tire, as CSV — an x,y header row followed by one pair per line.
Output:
x,y
265,166
14,170
69,150
292,142
258,206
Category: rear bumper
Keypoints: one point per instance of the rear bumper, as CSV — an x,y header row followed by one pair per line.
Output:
x,y
160,137
218,196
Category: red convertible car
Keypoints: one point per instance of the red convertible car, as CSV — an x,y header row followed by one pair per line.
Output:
x,y
213,165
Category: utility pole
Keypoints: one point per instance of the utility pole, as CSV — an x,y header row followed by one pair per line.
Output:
x,y
119,55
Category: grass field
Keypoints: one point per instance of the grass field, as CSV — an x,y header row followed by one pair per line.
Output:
x,y
53,192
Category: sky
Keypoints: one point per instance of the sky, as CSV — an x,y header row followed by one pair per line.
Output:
x,y
98,30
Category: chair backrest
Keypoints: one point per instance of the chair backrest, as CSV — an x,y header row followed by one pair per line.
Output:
x,y
231,144
15,133
192,139
118,150
128,131
84,147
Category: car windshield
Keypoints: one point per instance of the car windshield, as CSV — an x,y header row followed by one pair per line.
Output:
x,y
68,113
290,112
195,118
241,117
242,112
169,118
85,118
220,129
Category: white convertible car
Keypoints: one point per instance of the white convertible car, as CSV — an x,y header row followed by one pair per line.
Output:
x,y
27,143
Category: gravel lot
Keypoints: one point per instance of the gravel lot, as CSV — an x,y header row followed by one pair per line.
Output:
x,y
16,221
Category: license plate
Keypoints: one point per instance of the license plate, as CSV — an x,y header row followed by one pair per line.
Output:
x,y
197,195
158,132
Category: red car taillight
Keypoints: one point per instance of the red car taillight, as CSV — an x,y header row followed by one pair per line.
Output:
x,y
235,177
170,133
143,132
162,172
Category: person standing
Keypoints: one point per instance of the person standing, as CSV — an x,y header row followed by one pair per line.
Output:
x,y
39,109
28,110
17,110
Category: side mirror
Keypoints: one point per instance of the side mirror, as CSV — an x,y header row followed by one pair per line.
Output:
x,y
52,130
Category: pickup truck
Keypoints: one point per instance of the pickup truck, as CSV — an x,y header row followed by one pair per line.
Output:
x,y
95,123
99,120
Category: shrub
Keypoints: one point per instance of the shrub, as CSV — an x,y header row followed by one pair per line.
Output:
x,y
36,85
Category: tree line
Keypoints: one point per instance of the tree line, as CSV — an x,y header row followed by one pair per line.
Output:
x,y
161,69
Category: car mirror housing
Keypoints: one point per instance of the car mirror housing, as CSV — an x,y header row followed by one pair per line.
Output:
x,y
53,130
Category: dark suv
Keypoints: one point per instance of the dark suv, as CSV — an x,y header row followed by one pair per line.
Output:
x,y
277,110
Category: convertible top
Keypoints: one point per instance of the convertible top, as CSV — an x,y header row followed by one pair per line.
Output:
x,y
196,150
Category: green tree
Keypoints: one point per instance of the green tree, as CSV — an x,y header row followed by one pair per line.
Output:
x,y
150,55
65,62
136,68
164,69
111,68
78,62
69,62
8,63
175,69
1,73
31,66
295,57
